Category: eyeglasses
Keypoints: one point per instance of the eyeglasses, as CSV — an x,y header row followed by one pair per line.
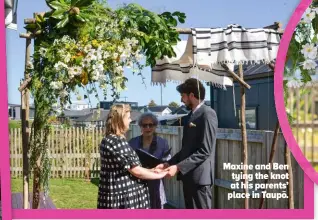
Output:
x,y
147,125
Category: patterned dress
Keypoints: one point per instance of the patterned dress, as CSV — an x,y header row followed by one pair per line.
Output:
x,y
118,189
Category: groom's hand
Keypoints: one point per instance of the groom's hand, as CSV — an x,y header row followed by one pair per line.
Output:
x,y
172,170
162,166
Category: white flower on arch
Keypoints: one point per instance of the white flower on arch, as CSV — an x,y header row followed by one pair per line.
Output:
x,y
308,16
309,64
309,51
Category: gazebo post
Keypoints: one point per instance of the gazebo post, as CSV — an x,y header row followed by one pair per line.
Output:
x,y
244,135
271,158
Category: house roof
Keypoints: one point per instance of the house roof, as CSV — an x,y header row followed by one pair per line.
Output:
x,y
138,108
255,71
14,105
181,110
173,108
79,102
158,108
170,117
18,105
93,116
77,113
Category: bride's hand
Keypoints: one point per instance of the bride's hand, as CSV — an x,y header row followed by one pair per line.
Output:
x,y
162,174
156,170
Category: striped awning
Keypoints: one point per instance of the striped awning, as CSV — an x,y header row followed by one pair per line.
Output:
x,y
206,49
10,7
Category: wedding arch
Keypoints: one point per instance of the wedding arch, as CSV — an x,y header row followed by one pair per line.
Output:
x,y
83,44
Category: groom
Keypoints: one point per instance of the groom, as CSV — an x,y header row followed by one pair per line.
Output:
x,y
194,164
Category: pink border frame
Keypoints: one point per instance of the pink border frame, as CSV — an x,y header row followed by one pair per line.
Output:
x,y
4,158
279,94
307,212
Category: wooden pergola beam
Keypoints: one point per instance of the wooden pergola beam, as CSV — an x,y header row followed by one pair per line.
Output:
x,y
32,20
29,35
25,84
235,76
276,26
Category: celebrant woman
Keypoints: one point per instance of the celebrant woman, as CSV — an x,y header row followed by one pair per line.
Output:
x,y
156,146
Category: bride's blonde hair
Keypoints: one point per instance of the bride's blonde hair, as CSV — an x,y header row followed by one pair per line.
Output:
x,y
115,119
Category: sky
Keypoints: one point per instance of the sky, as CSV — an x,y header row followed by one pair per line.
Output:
x,y
200,13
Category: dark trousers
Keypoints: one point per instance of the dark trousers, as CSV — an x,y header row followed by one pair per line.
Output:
x,y
197,196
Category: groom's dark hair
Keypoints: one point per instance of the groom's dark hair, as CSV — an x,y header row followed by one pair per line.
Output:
x,y
194,86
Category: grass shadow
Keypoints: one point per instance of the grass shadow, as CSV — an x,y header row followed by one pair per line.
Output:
x,y
95,181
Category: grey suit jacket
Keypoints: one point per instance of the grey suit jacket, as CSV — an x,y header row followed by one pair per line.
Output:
x,y
196,159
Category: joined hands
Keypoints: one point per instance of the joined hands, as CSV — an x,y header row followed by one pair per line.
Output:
x,y
164,167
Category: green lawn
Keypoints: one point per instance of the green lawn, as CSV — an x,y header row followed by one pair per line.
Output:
x,y
68,193
71,193
14,124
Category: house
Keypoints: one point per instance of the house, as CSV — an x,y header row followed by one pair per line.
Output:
x,y
107,104
75,114
79,105
141,109
14,111
160,110
183,109
260,105
260,110
97,118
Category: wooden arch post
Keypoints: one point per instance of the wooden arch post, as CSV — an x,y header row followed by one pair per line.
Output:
x,y
25,113
25,108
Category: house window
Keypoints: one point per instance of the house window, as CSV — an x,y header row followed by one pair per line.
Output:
x,y
12,112
250,117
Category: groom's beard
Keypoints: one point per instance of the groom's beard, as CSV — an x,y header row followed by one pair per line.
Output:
x,y
189,106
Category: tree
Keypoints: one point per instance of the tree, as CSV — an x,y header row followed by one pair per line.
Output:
x,y
152,103
174,105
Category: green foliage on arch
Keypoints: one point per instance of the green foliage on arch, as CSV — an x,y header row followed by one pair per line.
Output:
x,y
84,44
